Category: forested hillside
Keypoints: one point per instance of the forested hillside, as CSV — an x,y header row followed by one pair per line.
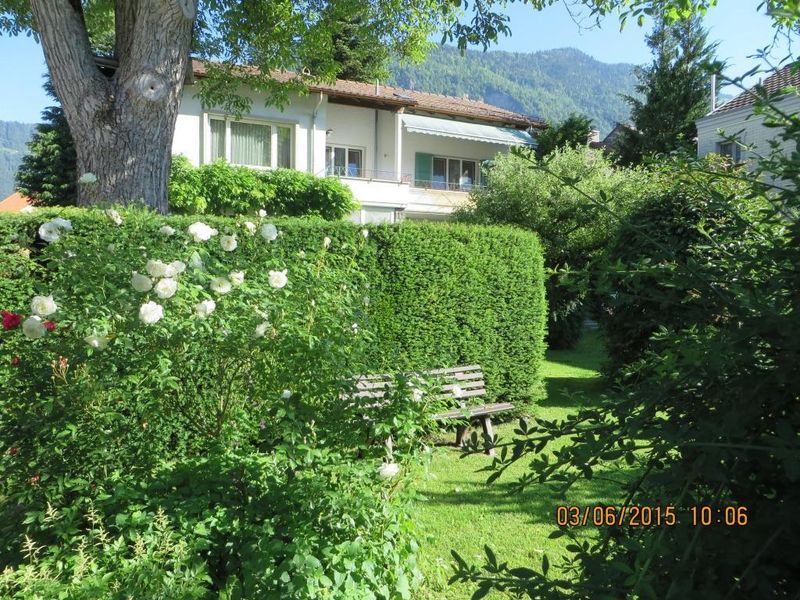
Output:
x,y
13,145
550,84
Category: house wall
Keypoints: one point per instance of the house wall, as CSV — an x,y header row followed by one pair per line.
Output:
x,y
447,147
732,122
191,126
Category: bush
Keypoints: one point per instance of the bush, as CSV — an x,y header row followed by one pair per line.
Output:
x,y
572,227
674,224
233,420
222,189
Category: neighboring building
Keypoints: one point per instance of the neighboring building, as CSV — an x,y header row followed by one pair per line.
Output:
x,y
16,202
405,154
608,142
736,117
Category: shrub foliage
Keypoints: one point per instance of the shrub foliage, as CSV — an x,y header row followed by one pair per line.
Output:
x,y
573,230
222,435
222,189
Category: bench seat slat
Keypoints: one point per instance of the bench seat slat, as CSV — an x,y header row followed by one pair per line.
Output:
x,y
474,411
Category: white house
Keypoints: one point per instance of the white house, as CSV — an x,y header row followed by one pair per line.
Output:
x,y
736,118
405,154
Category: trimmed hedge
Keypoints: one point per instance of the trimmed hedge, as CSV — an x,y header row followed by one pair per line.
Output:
x,y
439,294
219,188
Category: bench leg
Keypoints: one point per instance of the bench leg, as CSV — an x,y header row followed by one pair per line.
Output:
x,y
488,434
461,434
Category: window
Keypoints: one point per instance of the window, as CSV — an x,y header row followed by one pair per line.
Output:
x,y
344,162
453,174
250,144
729,149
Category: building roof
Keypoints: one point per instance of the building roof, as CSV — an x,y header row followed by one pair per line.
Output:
x,y
15,203
374,94
788,76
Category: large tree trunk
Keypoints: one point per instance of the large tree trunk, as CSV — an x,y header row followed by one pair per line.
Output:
x,y
122,125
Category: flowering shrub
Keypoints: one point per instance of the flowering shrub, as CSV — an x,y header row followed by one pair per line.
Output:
x,y
149,352
220,188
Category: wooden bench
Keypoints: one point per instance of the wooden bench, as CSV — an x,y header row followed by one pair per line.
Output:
x,y
458,384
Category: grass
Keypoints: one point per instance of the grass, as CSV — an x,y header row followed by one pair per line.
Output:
x,y
461,512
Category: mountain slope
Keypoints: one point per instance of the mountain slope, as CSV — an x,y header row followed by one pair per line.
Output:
x,y
550,84
13,146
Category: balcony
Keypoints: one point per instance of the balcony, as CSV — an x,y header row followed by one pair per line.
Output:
x,y
356,172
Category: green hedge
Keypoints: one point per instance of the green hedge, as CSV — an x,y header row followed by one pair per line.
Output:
x,y
219,188
439,294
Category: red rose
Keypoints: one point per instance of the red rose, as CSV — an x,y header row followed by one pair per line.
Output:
x,y
49,325
15,361
13,451
10,320
35,479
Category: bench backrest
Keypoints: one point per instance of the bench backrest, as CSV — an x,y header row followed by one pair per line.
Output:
x,y
457,383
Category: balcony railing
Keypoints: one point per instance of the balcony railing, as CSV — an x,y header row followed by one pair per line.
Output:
x,y
446,186
368,174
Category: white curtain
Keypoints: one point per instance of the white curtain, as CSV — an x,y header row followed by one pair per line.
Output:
x,y
217,139
250,144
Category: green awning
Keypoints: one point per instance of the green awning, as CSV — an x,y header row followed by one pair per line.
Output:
x,y
467,131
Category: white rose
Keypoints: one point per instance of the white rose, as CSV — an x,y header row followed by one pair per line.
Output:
x,y
220,285
27,209
250,226
156,268
141,283
114,216
457,391
43,306
51,230
88,178
166,288
166,230
262,213
205,308
195,261
278,279
33,328
201,232
388,470
236,277
326,243
286,394
150,312
262,328
96,341
416,394
355,327
365,233
302,254
269,232
176,267
366,300
228,243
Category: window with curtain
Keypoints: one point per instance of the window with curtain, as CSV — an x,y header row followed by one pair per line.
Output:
x,y
454,174
344,162
260,145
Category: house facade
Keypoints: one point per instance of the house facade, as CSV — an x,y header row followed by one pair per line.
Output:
x,y
404,154
736,118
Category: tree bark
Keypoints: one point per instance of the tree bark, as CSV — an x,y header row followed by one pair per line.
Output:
x,y
122,125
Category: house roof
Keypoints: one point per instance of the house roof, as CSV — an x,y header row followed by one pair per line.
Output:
x,y
370,93
786,77
14,203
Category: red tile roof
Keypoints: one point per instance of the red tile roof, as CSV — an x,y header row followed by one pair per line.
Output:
x,y
788,76
14,203
401,97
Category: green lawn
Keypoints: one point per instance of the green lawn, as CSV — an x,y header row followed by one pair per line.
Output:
x,y
461,512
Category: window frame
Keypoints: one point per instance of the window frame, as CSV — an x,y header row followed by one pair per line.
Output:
x,y
462,160
347,150
273,151
736,150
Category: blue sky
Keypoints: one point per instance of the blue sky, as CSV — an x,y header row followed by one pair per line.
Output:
x,y
735,23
